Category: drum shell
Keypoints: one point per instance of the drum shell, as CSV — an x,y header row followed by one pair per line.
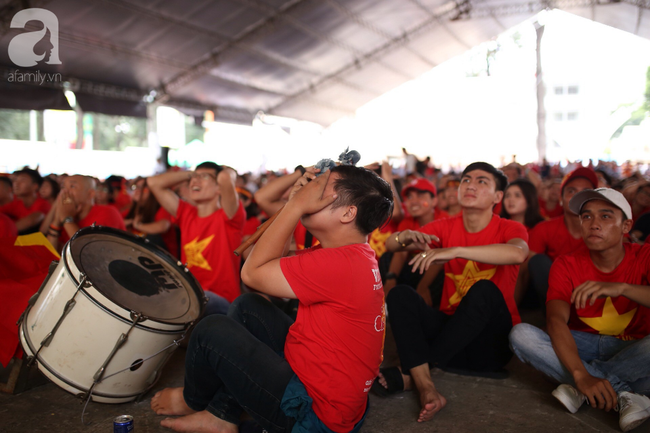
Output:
x,y
88,334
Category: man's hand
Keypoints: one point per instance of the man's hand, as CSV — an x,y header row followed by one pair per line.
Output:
x,y
419,240
589,291
307,194
310,174
430,256
65,207
599,391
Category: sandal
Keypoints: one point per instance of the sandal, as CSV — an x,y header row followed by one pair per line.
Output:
x,y
393,376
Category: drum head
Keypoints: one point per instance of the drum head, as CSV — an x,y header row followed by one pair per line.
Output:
x,y
135,275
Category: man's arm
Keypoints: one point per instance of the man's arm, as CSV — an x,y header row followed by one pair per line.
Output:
x,y
599,391
589,291
269,197
426,281
262,269
397,262
29,221
229,198
409,240
161,185
514,252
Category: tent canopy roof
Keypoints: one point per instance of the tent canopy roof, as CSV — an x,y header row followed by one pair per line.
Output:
x,y
316,60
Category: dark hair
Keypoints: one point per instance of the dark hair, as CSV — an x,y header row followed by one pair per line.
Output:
x,y
146,209
499,178
607,177
367,191
56,188
7,180
210,165
532,216
33,174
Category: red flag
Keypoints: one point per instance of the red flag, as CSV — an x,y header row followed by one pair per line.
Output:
x,y
23,268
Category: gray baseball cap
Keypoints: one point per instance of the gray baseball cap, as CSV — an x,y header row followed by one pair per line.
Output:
x,y
606,194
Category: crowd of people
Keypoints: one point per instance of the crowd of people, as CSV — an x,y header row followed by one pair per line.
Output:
x,y
455,256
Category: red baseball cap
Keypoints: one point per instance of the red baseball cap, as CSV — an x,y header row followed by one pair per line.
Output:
x,y
584,172
420,184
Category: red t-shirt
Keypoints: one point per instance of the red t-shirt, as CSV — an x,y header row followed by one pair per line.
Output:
x,y
461,274
251,225
439,214
557,211
169,237
16,209
335,346
123,203
619,316
207,246
7,227
553,239
101,215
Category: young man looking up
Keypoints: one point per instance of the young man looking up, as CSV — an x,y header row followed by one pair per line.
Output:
x,y
312,375
596,315
210,231
481,253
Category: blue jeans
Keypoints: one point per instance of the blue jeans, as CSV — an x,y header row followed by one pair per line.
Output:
x,y
235,363
216,304
625,364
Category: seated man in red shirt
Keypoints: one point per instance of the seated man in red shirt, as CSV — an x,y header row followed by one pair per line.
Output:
x,y
210,231
312,375
74,209
421,200
27,209
561,235
481,253
597,315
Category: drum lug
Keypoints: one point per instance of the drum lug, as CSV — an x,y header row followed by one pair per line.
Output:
x,y
30,360
137,317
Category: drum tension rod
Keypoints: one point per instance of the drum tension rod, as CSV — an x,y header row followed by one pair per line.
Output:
x,y
136,317
66,310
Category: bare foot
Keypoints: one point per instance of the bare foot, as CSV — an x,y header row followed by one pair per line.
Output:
x,y
199,422
405,378
432,402
170,401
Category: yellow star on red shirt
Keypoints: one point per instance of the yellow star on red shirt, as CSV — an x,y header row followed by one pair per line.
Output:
x,y
610,322
471,274
194,253
377,241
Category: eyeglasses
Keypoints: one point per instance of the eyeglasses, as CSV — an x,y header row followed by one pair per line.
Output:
x,y
203,176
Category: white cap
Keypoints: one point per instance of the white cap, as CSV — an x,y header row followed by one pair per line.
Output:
x,y
606,194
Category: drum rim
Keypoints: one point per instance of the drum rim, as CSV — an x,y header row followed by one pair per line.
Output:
x,y
159,252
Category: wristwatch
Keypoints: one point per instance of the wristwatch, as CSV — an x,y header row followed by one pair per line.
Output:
x,y
68,220
391,276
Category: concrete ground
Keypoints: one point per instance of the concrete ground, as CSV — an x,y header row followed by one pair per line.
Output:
x,y
520,403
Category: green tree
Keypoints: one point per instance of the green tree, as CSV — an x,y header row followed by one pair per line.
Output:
x,y
14,124
641,113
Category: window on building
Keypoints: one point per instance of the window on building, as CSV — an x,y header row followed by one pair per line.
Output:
x,y
572,90
558,117
559,90
573,115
